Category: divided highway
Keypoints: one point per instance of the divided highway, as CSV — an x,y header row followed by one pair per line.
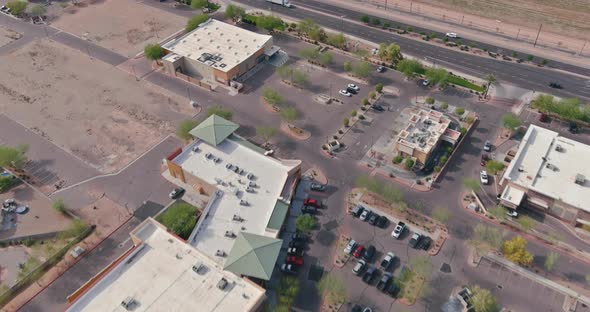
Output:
x,y
526,76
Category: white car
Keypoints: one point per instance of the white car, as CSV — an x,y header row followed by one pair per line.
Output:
x,y
353,86
399,229
425,82
344,92
365,215
451,35
483,176
512,213
350,247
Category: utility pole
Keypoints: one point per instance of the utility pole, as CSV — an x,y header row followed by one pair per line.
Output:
x,y
538,33
462,18
518,33
188,91
582,49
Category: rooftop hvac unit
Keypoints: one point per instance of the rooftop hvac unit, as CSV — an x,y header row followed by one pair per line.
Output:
x,y
237,218
230,234
200,268
229,166
558,148
580,179
244,203
195,149
220,253
222,284
128,303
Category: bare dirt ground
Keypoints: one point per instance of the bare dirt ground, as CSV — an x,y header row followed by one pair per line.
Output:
x,y
123,26
95,111
7,36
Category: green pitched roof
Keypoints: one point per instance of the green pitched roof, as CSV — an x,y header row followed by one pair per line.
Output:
x,y
214,130
278,215
253,255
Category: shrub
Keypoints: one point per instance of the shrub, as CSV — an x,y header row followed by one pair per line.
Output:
x,y
365,19
459,111
444,105
429,100
365,101
386,24
437,168
443,160
376,21
195,21
463,130
153,52
530,58
409,163
345,122
379,87
219,111
38,10
184,127
361,117
545,62
347,66
372,94
397,159
410,29
59,205
470,119
353,113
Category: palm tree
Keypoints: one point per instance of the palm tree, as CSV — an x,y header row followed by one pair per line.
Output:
x,y
490,79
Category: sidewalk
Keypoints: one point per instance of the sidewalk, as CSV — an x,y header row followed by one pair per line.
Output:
x,y
397,12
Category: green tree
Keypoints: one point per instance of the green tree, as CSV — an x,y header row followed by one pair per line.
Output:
x,y
498,212
195,21
490,80
391,53
76,228
289,114
59,205
180,218
184,127
332,288
234,12
286,292
13,157
272,97
265,132
300,78
6,183
471,184
345,122
409,163
550,261
336,40
515,251
379,87
409,68
511,121
494,166
362,69
17,7
347,66
305,223
220,111
317,34
326,58
153,52
372,94
307,25
483,300
353,113
544,103
429,100
199,4
441,214
365,101
438,76
38,10
365,19
526,222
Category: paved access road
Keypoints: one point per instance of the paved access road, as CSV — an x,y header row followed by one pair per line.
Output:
x,y
529,77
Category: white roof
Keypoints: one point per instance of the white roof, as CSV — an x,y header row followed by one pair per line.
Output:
x,y
270,176
159,276
231,45
538,166
424,130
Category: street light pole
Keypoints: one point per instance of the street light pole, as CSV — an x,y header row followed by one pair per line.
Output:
x,y
538,33
582,49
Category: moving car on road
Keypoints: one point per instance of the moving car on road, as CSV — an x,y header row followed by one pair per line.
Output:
x,y
399,229
555,85
451,35
483,177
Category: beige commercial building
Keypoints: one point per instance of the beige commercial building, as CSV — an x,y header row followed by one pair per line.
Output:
x,y
549,173
423,134
217,52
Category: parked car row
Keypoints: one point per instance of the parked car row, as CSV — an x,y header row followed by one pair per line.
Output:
x,y
294,259
417,241
372,218
369,273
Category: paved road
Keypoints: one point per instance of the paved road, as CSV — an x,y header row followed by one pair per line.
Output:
x,y
529,77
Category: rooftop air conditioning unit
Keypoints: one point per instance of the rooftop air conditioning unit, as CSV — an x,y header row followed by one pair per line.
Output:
x,y
222,284
200,268
580,179
128,303
558,148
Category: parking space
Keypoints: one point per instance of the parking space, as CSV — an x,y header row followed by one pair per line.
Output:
x,y
510,287
48,164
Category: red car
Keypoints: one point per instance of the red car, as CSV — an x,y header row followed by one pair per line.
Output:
x,y
358,252
294,259
312,202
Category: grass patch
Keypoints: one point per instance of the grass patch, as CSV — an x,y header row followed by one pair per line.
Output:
x,y
410,284
179,218
462,82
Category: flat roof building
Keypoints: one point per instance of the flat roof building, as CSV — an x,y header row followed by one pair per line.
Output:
x,y
249,192
549,172
423,134
163,273
217,51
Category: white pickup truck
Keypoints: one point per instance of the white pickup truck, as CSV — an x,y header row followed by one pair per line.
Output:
x,y
284,3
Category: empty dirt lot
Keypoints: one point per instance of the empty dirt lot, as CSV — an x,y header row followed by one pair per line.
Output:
x,y
123,26
89,108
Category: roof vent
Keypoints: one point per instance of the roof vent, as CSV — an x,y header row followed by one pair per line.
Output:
x,y
220,253
222,284
200,268
237,218
128,303
558,148
230,234
520,169
580,179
